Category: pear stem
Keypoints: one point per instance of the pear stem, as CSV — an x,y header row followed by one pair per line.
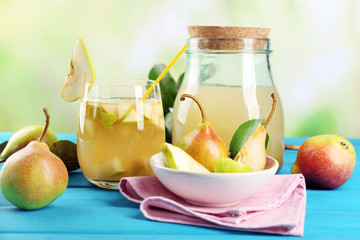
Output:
x,y
182,98
272,110
42,136
292,147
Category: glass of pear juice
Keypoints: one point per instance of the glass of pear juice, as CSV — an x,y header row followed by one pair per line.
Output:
x,y
117,132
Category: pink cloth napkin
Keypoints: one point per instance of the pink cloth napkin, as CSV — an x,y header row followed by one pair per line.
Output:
x,y
279,208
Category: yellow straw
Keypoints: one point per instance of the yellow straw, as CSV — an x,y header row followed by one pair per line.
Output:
x,y
163,73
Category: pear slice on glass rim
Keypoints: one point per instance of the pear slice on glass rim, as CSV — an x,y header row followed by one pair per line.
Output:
x,y
82,71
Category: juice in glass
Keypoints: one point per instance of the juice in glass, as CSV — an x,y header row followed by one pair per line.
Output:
x,y
118,135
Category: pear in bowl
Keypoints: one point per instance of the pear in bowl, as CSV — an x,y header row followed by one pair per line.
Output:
x,y
203,144
211,189
200,171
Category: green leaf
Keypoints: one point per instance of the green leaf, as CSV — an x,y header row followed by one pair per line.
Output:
x,y
207,71
267,140
168,126
66,151
179,81
108,119
167,86
242,134
2,147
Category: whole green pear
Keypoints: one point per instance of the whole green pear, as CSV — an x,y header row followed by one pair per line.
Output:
x,y
33,177
203,144
23,136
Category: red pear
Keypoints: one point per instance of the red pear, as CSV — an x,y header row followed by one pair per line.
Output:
x,y
326,161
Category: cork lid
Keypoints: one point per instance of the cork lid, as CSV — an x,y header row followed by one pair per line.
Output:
x,y
230,38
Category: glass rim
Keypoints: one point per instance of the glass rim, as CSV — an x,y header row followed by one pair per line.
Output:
x,y
109,87
102,81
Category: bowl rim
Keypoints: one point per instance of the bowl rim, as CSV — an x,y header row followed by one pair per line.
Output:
x,y
275,165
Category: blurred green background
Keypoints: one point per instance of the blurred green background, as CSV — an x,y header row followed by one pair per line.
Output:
x,y
316,48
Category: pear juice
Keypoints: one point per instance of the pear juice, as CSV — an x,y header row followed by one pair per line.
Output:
x,y
117,137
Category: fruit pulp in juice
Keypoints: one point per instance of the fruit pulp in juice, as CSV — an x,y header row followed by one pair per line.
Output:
x,y
116,138
228,107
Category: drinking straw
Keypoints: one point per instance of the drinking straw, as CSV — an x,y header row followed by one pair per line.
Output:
x,y
163,73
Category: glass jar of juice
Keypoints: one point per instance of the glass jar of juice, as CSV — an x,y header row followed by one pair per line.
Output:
x,y
232,79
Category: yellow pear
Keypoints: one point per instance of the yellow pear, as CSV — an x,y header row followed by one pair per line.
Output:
x,y
33,177
203,144
253,152
24,136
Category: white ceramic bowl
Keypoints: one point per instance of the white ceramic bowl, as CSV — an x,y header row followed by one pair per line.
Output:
x,y
212,189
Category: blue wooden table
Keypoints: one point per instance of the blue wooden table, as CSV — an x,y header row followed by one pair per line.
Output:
x,y
88,212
